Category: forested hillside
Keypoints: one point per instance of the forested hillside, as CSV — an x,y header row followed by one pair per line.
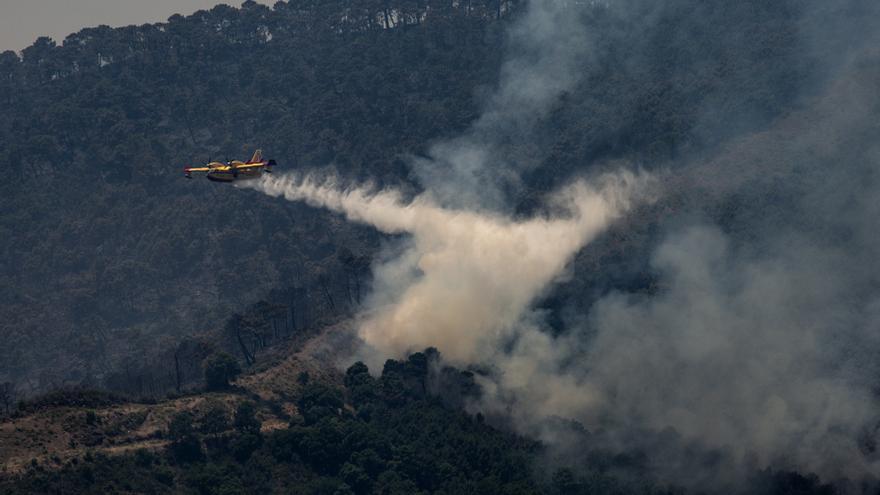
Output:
x,y
401,433
110,258
718,336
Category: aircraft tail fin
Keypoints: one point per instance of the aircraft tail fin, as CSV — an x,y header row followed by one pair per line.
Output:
x,y
258,157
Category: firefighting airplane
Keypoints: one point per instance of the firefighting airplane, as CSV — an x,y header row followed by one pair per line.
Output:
x,y
234,170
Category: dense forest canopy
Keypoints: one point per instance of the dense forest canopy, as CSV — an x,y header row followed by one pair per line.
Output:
x,y
397,434
101,124
98,145
725,322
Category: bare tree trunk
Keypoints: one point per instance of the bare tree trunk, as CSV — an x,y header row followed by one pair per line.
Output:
x,y
7,396
292,327
328,296
177,376
247,354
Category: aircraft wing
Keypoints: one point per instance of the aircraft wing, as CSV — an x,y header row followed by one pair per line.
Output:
x,y
187,172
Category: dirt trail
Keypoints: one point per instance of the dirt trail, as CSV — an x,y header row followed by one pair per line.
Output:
x,y
53,436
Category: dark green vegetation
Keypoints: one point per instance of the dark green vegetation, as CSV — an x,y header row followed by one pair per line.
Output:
x,y
387,435
391,435
111,260
220,369
118,274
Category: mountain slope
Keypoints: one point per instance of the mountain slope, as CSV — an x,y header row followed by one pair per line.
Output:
x,y
109,258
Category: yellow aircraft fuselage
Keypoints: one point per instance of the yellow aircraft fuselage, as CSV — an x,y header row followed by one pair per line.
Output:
x,y
234,170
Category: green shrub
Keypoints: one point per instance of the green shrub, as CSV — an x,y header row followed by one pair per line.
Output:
x,y
220,369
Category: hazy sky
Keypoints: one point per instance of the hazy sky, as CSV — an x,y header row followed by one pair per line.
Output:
x,y
22,21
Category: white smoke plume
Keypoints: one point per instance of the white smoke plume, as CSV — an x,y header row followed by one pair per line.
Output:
x,y
758,343
740,352
465,280
763,338
547,45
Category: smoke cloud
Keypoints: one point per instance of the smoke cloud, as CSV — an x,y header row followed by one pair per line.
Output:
x,y
760,339
464,280
763,336
484,165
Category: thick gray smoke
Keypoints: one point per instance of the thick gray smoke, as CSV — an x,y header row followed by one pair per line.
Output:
x,y
764,339
548,44
761,335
